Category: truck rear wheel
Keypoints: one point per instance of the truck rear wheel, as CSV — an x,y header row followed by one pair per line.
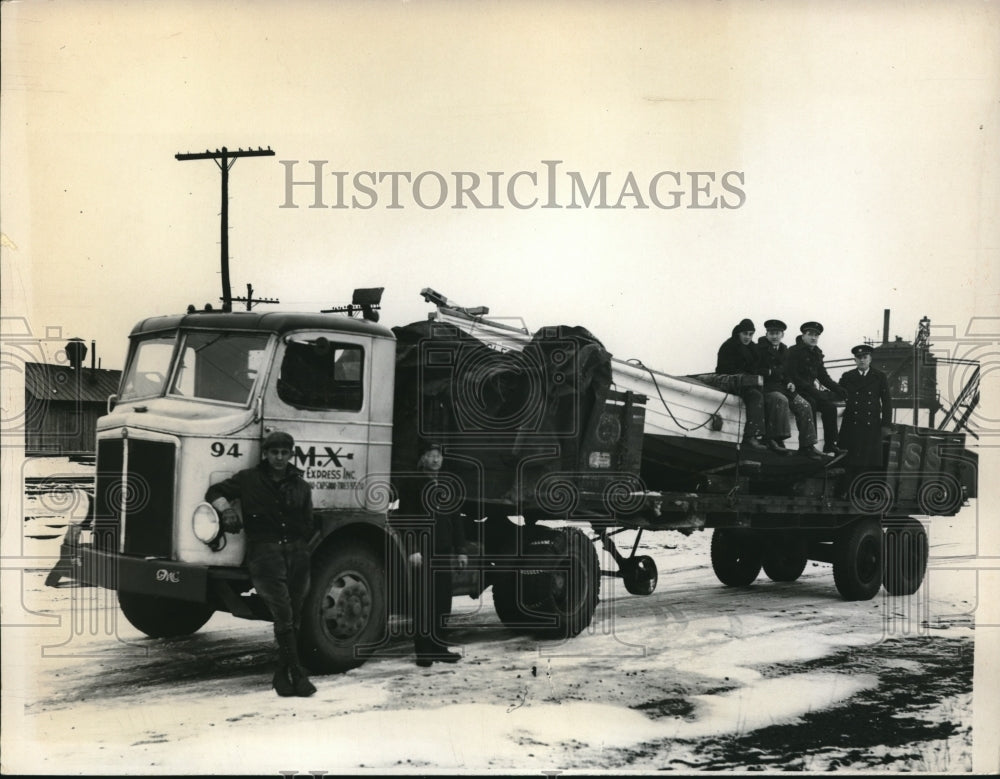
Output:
x,y
785,558
736,556
857,560
552,604
160,617
905,556
346,609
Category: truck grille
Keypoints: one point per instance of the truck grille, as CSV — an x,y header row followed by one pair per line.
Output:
x,y
145,491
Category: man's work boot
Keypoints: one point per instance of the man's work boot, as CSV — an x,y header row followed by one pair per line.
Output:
x,y
281,682
811,452
754,444
298,681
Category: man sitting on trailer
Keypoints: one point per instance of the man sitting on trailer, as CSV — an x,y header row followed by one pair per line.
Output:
x,y
780,397
736,356
806,369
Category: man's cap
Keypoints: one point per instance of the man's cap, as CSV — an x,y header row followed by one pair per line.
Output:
x,y
277,440
862,349
775,324
743,326
812,326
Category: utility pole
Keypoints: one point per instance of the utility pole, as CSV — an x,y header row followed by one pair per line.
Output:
x,y
249,299
225,158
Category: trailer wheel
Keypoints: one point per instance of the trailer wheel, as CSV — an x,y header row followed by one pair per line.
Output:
x,y
160,617
857,560
639,575
785,558
551,604
345,610
904,557
736,556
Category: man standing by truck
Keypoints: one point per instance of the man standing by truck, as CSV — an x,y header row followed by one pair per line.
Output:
x,y
278,517
429,529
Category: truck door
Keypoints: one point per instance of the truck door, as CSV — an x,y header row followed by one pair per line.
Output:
x,y
320,391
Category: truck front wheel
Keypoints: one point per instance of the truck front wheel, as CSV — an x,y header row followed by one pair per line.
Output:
x,y
736,556
857,560
346,609
159,617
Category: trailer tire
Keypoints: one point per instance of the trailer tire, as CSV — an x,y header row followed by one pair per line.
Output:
x,y
551,604
346,609
857,559
736,556
639,575
904,558
785,558
160,617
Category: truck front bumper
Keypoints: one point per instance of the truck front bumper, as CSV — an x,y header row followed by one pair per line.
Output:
x,y
165,578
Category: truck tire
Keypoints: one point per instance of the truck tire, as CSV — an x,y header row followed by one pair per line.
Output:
x,y
346,609
857,559
160,617
904,558
736,556
785,558
551,604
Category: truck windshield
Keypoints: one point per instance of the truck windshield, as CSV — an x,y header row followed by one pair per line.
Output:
x,y
148,368
218,366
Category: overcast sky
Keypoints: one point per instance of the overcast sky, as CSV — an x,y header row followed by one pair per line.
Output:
x,y
862,140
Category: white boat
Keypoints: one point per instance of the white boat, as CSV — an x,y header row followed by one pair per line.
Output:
x,y
690,425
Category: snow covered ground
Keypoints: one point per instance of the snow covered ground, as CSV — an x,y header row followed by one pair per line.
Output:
x,y
695,676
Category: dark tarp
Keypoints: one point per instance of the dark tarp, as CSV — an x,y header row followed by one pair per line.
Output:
x,y
504,418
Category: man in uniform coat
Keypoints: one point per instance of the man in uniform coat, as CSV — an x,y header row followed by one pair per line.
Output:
x,y
804,369
868,413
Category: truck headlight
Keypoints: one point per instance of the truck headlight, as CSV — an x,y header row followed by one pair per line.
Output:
x,y
205,523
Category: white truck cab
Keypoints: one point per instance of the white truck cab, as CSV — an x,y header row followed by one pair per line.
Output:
x,y
198,393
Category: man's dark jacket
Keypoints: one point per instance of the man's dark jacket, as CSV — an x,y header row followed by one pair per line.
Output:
x,y
421,506
735,357
772,365
272,510
804,366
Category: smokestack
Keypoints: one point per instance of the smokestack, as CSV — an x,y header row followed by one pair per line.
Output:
x,y
93,353
885,327
76,351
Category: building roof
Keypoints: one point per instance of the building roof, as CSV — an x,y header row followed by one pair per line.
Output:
x,y
268,322
60,382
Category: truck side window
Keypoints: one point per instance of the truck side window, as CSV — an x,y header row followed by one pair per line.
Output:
x,y
322,375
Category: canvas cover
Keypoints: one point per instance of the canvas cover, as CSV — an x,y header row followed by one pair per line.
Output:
x,y
505,418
